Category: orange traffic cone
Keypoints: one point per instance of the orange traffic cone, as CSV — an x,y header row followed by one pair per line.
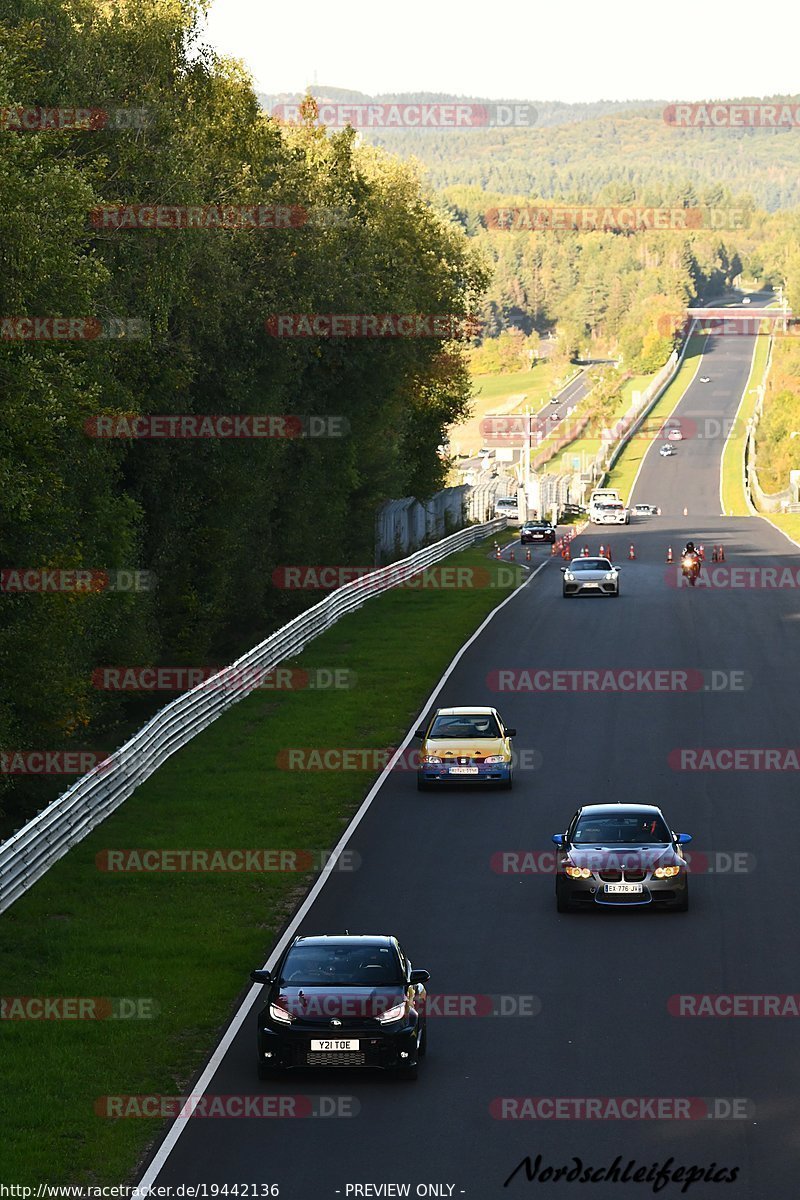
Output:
x,y
565,551
631,552
602,551
669,555
585,552
511,555
713,553
721,555
528,554
701,550
497,552
553,549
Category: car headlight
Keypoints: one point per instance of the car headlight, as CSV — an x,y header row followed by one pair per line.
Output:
x,y
280,1015
666,872
431,758
396,1013
578,872
570,578
495,758
610,577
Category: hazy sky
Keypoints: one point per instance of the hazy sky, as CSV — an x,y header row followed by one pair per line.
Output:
x,y
621,50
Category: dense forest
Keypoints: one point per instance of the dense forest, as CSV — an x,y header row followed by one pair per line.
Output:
x,y
184,312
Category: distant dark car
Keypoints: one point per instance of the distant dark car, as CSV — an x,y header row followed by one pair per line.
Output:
x,y
620,856
537,531
342,1001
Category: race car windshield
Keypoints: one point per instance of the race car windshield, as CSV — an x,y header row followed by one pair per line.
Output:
x,y
349,966
620,829
465,725
591,564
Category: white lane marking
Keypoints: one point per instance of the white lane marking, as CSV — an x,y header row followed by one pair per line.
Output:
x,y
180,1123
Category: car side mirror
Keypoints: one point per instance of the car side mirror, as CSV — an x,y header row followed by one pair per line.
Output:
x,y
511,733
562,569
261,976
683,838
420,733
419,977
558,839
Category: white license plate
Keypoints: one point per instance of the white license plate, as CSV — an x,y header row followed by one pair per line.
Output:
x,y
591,585
624,887
463,770
334,1044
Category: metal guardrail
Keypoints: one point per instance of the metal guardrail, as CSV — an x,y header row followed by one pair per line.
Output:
x,y
32,850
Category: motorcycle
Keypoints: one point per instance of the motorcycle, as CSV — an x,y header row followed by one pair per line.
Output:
x,y
690,567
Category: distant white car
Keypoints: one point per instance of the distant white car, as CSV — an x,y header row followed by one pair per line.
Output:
x,y
705,379
746,300
506,506
613,513
645,510
666,450
675,435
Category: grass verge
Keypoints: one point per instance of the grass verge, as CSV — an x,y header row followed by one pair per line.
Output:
x,y
186,941
734,500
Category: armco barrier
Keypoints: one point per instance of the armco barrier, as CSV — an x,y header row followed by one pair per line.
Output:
x,y
32,850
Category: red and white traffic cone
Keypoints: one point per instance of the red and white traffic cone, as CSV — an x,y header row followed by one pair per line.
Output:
x,y
631,553
528,554
511,555
669,555
721,555
713,553
585,552
701,550
565,551
602,551
554,549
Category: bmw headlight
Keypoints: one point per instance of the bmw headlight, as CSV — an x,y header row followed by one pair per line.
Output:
x,y
578,872
396,1013
280,1015
666,872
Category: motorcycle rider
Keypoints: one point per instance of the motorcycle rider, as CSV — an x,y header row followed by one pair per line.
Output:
x,y
691,562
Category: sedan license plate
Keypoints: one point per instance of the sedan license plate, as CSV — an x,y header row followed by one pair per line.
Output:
x,y
333,1044
591,585
463,770
623,887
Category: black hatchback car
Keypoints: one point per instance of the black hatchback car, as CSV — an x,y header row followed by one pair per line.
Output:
x,y
537,531
342,1001
620,856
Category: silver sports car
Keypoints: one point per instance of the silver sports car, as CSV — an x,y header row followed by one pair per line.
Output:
x,y
592,576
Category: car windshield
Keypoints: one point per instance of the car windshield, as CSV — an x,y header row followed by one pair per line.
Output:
x,y
352,966
506,504
590,564
622,828
465,725
536,525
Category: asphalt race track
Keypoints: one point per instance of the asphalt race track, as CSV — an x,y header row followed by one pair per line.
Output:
x,y
431,872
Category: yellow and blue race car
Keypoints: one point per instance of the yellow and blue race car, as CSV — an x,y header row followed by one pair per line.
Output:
x,y
465,745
